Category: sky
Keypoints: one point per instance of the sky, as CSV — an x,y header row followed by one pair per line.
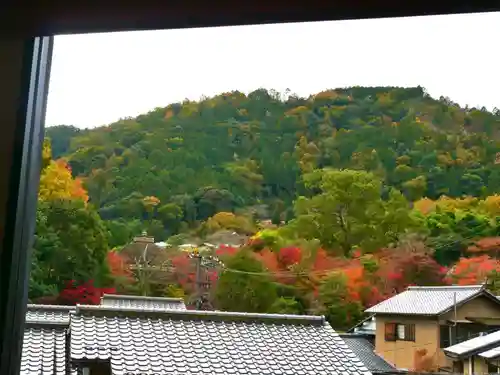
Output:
x,y
97,79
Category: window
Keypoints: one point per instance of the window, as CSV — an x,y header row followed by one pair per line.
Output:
x,y
492,368
401,332
390,331
406,332
444,336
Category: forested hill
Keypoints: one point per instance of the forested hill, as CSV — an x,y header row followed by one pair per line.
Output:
x,y
233,152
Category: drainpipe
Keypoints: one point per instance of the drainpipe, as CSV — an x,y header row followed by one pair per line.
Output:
x,y
454,324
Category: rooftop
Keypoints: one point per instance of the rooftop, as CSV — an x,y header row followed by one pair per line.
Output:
x,y
481,344
209,342
366,353
141,302
48,314
367,326
428,300
44,343
44,351
491,354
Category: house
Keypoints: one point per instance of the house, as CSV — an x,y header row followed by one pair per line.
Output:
x,y
479,355
365,351
128,335
413,327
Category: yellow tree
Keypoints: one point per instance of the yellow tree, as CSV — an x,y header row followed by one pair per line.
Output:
x,y
56,180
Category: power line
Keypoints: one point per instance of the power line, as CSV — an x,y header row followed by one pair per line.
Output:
x,y
283,273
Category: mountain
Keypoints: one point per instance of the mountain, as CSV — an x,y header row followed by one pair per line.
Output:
x,y
247,153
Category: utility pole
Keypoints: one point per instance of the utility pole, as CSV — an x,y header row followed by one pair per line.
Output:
x,y
202,284
198,280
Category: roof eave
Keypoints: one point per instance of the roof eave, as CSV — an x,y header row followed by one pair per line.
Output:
x,y
46,324
405,314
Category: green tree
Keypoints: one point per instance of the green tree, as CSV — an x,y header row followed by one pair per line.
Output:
x,y
335,303
71,243
286,305
349,211
245,286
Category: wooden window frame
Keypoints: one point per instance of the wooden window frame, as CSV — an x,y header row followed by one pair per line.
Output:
x,y
391,332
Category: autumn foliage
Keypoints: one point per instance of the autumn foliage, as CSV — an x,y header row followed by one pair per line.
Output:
x,y
118,266
84,294
488,245
400,268
474,270
57,182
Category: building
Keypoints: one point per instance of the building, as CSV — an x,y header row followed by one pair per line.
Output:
x,y
365,328
479,355
139,335
413,327
365,351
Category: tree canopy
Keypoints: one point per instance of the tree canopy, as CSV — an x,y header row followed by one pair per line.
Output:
x,y
325,204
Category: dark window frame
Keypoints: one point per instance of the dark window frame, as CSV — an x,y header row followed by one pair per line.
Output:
x,y
28,133
391,332
26,148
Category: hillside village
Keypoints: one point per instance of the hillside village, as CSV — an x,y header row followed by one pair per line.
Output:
x,y
355,231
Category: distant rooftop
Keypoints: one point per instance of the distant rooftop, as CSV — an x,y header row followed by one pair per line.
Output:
x,y
366,327
141,302
428,300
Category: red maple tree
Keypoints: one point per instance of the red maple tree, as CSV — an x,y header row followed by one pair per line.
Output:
x,y
474,270
289,256
399,269
225,250
84,294
183,271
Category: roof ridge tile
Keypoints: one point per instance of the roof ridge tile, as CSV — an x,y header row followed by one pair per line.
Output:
x,y
201,315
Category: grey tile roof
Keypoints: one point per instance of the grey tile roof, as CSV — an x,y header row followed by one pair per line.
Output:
x,y
419,300
201,342
44,344
48,314
139,302
473,345
44,351
366,353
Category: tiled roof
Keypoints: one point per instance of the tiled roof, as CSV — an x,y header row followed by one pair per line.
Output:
x,y
44,344
418,300
47,314
480,343
44,351
140,302
201,342
366,353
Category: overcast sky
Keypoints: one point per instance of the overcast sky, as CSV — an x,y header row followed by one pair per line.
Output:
x,y
98,78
